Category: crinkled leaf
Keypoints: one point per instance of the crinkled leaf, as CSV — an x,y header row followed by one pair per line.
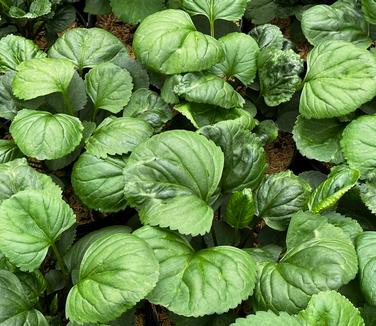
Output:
x,y
240,209
368,194
175,36
279,196
369,10
340,180
268,36
86,48
109,87
9,151
319,139
37,9
279,74
209,89
38,77
31,221
170,179
340,78
43,135
150,107
127,273
99,183
198,283
16,49
240,60
117,136
348,225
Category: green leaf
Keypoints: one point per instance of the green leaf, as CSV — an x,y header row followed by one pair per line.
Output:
x,y
268,318
261,11
171,177
63,17
15,50
209,89
150,107
46,136
279,196
369,10
319,257
198,283
240,60
340,21
117,136
266,253
15,308
214,10
109,87
279,74
348,225
99,183
86,48
31,221
34,284
268,36
245,160
38,77
366,250
9,151
359,151
240,209
368,194
340,180
37,9
98,7
176,36
313,177
127,273
134,11
331,86
209,320
267,131
319,139
17,176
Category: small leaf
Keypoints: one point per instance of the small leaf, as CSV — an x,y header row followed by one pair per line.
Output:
x,y
46,136
9,151
127,273
240,209
268,36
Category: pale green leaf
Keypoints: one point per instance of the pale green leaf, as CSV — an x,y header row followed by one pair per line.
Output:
x,y
268,318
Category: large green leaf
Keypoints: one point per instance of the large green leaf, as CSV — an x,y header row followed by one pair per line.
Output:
x,y
245,160
198,283
279,74
175,36
368,194
319,139
16,49
117,136
38,77
358,147
340,78
171,178
37,9
240,60
240,209
99,183
127,273
369,10
46,136
9,151
31,221
319,257
340,180
87,48
268,36
109,87
15,308
340,21
279,196
209,89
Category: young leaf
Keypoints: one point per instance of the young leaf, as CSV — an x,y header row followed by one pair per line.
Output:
x,y
9,151
340,21
340,180
15,50
319,139
99,183
176,36
31,221
198,283
171,177
109,87
268,36
46,136
86,48
279,74
368,194
117,136
357,148
38,77
15,308
279,196
331,86
128,272
369,10
240,209
240,60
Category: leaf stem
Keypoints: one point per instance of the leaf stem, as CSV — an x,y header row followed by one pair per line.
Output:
x,y
212,32
60,261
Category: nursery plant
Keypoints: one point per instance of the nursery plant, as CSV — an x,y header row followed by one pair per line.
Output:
x,y
168,145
